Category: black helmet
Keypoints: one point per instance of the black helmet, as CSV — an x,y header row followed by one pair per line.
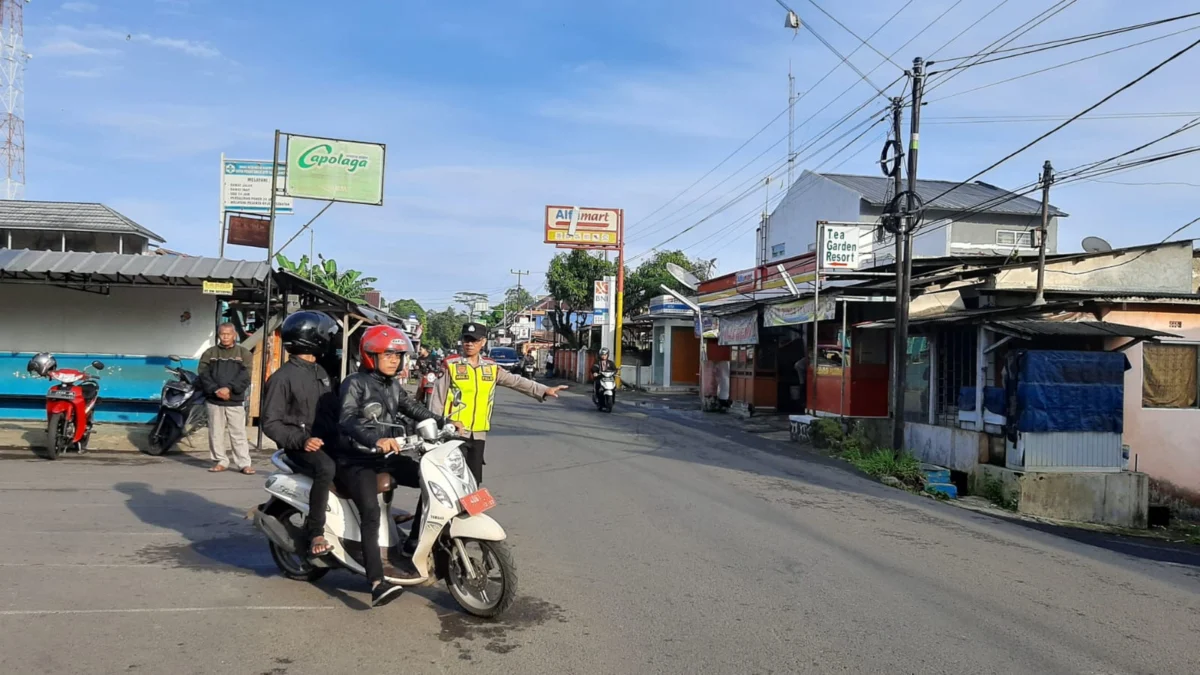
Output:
x,y
308,333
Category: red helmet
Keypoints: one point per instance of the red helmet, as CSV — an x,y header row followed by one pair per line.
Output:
x,y
379,339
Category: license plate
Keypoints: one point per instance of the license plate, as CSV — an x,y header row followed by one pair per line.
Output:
x,y
62,395
478,502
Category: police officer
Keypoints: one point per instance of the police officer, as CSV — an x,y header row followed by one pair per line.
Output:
x,y
475,378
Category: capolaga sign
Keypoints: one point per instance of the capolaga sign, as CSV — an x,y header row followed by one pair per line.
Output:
x,y
342,171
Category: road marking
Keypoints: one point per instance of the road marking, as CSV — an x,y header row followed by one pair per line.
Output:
x,y
164,610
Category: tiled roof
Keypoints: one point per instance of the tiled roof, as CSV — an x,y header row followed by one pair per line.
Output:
x,y
944,195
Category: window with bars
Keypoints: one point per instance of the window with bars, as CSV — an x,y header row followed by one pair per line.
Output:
x,y
955,352
1022,239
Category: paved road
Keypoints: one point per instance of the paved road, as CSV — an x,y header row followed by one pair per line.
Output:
x,y
644,545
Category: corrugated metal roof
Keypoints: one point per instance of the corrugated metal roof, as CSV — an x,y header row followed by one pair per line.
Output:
x,y
100,268
69,217
957,197
1031,327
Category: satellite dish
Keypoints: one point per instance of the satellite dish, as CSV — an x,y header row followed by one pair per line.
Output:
x,y
1096,245
683,276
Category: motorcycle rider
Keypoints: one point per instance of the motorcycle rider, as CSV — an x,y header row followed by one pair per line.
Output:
x,y
602,364
300,413
363,454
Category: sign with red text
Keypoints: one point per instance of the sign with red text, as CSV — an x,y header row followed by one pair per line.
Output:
x,y
580,227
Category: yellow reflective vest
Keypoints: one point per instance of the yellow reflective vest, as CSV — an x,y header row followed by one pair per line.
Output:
x,y
478,387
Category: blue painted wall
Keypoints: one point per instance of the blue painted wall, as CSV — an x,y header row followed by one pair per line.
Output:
x,y
130,386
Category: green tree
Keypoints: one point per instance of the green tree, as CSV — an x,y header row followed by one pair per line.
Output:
x,y
646,281
350,284
570,280
402,308
442,329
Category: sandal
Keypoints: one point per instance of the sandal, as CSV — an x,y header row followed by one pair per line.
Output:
x,y
248,470
319,547
218,469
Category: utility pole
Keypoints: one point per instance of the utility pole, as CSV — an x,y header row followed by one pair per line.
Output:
x,y
519,273
791,124
895,170
904,262
1047,179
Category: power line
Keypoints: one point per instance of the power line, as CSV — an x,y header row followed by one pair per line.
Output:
x,y
1156,183
1164,240
1063,65
1025,50
1009,37
964,31
845,28
1054,118
1072,119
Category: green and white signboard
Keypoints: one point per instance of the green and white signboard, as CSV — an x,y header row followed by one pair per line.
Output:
x,y
340,171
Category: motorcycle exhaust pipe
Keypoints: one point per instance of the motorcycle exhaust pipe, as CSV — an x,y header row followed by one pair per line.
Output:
x,y
275,530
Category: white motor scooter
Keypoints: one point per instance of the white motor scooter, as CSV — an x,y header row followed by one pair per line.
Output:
x,y
607,395
458,542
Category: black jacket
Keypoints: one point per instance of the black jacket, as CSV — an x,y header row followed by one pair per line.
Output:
x,y
597,366
300,404
360,434
220,368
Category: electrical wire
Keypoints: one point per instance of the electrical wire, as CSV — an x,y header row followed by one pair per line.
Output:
x,y
1008,38
1164,240
1025,50
964,31
1052,118
1155,183
799,98
1068,63
1081,113
847,29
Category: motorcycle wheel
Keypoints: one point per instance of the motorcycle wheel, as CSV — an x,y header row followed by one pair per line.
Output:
x,y
164,439
294,565
56,435
495,592
607,405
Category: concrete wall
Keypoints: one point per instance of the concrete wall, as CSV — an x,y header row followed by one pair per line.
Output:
x,y
133,321
975,235
1165,269
810,198
1164,441
958,449
1118,499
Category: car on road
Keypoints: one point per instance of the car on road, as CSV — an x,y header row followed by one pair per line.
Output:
x,y
505,357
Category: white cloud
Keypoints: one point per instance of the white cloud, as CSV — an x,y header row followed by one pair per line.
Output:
x,y
66,47
76,41
88,73
80,7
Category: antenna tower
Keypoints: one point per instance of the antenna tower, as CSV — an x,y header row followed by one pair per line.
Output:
x,y
12,98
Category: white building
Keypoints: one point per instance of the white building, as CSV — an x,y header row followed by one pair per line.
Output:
x,y
960,219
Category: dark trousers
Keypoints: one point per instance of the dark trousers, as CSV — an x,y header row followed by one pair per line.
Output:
x,y
359,481
473,452
321,468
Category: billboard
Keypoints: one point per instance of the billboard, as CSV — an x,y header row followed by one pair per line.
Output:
x,y
334,170
246,187
570,226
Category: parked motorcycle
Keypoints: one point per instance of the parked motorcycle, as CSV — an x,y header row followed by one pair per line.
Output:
x,y
70,404
483,581
179,402
607,393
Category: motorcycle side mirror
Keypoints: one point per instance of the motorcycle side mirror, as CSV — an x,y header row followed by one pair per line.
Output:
x,y
373,411
458,402
98,365
175,358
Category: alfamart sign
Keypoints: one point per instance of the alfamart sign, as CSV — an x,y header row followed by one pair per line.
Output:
x,y
334,170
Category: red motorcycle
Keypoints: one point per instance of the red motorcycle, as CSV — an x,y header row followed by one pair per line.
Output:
x,y
70,404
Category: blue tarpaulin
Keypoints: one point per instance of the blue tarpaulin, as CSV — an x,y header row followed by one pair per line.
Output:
x,y
1057,391
993,399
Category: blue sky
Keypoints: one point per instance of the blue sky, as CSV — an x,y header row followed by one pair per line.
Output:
x,y
491,110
